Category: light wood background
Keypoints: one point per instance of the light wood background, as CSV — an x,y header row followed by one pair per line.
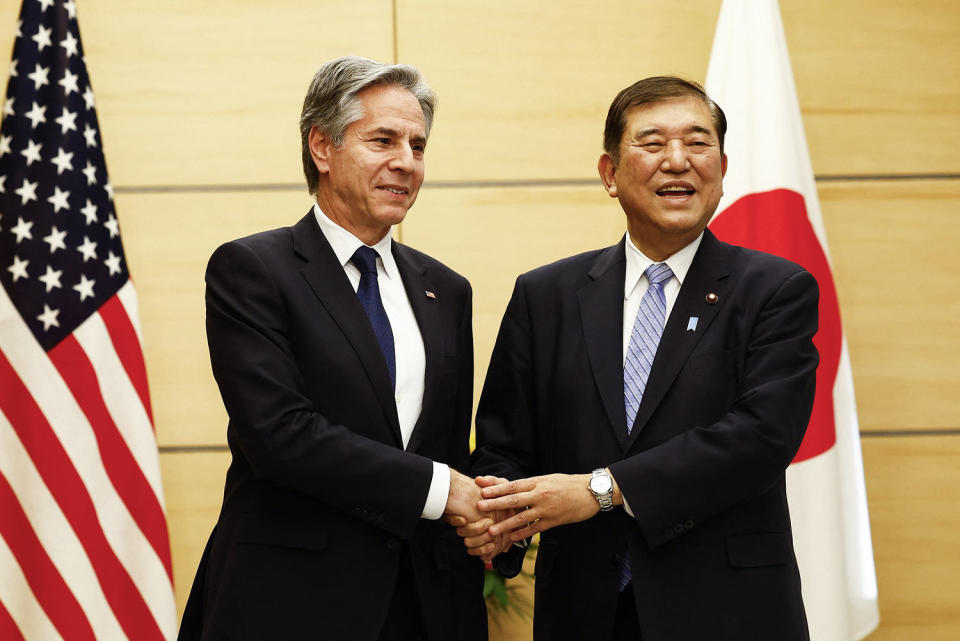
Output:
x,y
198,103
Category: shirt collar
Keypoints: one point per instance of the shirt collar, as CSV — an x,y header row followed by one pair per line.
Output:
x,y
637,263
344,244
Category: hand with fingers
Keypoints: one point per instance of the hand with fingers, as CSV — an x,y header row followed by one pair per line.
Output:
x,y
540,503
462,499
476,534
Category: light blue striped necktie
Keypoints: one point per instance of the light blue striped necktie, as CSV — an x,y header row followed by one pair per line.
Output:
x,y
644,339
642,348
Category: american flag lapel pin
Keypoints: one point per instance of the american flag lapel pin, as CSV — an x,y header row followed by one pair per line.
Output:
x,y
430,294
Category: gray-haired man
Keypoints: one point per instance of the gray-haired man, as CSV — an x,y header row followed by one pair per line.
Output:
x,y
345,362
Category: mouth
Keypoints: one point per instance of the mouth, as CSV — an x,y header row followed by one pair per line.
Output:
x,y
676,190
394,189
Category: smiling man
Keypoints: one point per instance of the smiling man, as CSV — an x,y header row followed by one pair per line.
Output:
x,y
646,400
345,363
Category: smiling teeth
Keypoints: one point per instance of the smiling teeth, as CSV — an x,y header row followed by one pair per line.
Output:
x,y
676,189
395,191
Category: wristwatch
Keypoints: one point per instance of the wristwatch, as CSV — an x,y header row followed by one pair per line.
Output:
x,y
601,484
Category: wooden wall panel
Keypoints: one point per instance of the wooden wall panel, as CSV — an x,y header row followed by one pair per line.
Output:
x,y
168,238
493,235
193,488
524,87
210,92
893,247
878,82
912,488
200,93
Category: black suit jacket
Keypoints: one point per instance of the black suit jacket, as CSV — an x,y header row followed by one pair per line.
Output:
x,y
321,501
724,411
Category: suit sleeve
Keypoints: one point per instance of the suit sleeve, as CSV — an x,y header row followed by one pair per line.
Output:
x,y
457,455
708,469
459,458
506,437
505,425
274,425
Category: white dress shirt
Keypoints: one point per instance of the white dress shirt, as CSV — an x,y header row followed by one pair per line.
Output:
x,y
635,285
407,343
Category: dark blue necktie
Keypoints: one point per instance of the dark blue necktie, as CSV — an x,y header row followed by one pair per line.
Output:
x,y
365,259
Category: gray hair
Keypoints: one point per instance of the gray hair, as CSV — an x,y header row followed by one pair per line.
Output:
x,y
331,103
649,90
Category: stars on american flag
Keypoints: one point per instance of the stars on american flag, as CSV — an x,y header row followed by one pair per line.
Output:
x,y
69,82
32,152
60,251
63,160
42,37
18,268
37,115
39,77
27,191
22,230
55,240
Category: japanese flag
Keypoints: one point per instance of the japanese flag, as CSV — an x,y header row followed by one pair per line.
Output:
x,y
770,203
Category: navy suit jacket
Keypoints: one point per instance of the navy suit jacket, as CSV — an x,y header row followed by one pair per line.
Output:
x,y
321,500
724,411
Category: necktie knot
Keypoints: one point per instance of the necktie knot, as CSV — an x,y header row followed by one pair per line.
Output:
x,y
368,291
365,259
658,273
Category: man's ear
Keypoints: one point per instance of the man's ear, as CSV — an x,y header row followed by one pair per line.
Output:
x,y
608,174
319,146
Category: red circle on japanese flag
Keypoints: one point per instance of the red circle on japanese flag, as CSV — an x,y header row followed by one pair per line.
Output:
x,y
776,222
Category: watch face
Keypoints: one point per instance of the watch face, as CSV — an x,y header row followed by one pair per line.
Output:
x,y
601,484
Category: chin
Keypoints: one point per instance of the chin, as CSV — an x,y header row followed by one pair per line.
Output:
x,y
392,217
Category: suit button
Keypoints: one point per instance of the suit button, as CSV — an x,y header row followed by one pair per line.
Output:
x,y
688,525
393,544
668,532
678,528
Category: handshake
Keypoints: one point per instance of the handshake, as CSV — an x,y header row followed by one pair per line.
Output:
x,y
492,513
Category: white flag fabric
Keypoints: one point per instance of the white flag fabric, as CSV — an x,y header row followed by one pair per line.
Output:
x,y
770,203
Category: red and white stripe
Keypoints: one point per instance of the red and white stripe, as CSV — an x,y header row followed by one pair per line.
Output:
x,y
85,543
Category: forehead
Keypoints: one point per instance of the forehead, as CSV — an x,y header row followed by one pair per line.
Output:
x,y
674,115
391,105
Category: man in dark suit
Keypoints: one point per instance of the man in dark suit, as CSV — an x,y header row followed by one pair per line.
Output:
x,y
345,362
655,391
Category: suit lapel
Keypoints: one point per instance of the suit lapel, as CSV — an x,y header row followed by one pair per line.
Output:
x,y
708,275
601,315
416,282
324,273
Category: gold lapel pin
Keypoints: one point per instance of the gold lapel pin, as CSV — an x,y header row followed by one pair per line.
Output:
x,y
712,298
430,294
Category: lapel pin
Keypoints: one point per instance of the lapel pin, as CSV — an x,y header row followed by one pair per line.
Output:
x,y
712,298
430,294
692,323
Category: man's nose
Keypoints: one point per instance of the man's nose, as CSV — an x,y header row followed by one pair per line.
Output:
x,y
403,159
675,157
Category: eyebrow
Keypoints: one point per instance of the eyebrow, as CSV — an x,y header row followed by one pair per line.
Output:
x,y
693,129
393,133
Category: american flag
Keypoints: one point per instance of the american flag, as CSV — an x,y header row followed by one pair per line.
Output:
x,y
84,550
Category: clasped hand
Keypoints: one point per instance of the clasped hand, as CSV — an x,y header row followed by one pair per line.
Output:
x,y
515,510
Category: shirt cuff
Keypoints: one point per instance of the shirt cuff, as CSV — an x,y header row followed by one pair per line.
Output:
x,y
626,506
438,493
